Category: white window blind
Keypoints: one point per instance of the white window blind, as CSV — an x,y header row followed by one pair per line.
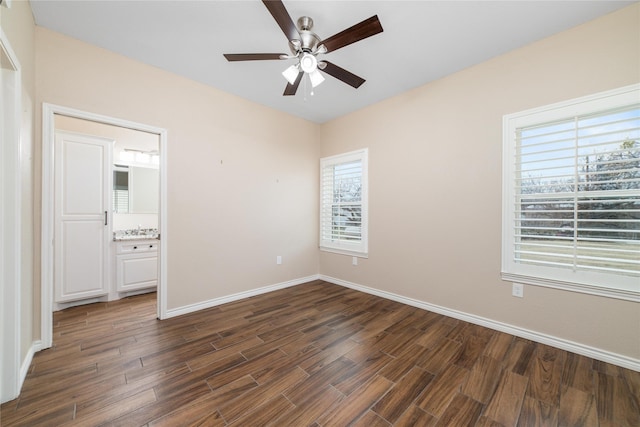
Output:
x,y
343,203
120,189
121,201
572,195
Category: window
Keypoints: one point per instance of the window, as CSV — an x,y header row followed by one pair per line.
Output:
x,y
120,189
343,203
571,195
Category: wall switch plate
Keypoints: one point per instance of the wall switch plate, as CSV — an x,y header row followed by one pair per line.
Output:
x,y
279,260
354,260
517,290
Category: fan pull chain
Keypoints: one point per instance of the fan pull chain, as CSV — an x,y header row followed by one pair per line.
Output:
x,y
311,86
304,84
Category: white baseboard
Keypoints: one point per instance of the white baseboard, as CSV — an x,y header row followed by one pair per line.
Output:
x,y
26,363
594,353
235,297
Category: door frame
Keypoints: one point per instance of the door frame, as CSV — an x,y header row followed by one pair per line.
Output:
x,y
11,373
47,253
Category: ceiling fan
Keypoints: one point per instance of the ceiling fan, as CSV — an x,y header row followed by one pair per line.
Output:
x,y
305,46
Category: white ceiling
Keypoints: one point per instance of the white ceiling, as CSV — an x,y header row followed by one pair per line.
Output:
x,y
422,41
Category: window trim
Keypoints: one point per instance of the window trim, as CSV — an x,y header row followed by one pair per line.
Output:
x,y
593,283
360,249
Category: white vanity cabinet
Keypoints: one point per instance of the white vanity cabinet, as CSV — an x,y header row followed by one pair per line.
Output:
x,y
136,264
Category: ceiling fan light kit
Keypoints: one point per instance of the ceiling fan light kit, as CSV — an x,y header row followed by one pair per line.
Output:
x,y
291,74
305,46
316,78
308,63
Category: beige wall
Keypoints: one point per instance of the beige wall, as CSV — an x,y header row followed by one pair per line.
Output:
x,y
242,184
17,24
435,183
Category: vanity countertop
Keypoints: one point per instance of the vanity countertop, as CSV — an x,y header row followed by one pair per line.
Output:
x,y
136,234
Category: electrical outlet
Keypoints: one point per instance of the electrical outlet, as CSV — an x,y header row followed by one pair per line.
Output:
x,y
279,260
354,260
517,290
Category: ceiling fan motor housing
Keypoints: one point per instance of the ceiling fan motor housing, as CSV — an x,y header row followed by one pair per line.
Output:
x,y
305,23
309,41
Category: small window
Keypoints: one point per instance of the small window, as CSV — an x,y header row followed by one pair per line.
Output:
x,y
121,189
343,203
571,199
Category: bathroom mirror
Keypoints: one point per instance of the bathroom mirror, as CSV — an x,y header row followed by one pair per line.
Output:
x,y
135,189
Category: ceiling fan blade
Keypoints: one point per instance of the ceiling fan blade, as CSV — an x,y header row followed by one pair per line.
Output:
x,y
252,56
291,89
342,74
282,17
362,30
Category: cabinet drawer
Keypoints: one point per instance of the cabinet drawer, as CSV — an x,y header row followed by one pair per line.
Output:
x,y
137,247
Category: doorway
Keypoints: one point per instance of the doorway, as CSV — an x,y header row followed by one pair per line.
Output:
x,y
50,113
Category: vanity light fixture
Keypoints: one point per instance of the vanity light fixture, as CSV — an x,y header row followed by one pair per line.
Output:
x,y
139,156
142,157
127,156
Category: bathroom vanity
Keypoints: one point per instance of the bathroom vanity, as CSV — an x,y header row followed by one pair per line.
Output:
x,y
136,260
136,265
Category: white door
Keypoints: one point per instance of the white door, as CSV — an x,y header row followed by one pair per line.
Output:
x,y
82,213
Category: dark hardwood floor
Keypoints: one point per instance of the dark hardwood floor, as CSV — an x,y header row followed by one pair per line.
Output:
x,y
315,354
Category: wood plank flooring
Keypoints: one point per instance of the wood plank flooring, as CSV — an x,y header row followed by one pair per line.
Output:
x,y
316,354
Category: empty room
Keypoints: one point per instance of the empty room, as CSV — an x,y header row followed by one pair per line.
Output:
x,y
320,213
